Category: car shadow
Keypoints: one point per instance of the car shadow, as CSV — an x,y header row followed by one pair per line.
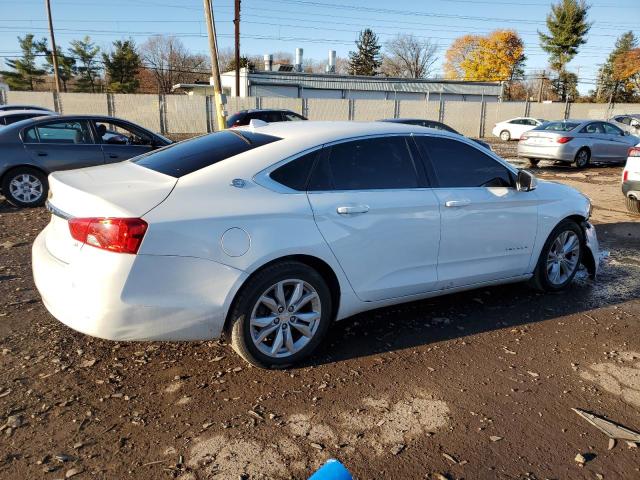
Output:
x,y
461,315
551,166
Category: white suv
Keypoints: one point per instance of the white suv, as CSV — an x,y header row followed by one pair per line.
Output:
x,y
631,180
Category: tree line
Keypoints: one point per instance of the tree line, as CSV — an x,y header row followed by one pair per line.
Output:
x,y
163,61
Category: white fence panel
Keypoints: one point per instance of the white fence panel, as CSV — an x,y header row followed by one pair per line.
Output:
x,y
464,117
293,104
320,109
84,103
142,109
39,99
368,110
186,113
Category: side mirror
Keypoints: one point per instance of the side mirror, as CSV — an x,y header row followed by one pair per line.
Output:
x,y
526,181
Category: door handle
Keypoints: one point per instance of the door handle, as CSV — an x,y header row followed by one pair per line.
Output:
x,y
352,210
42,154
111,155
457,203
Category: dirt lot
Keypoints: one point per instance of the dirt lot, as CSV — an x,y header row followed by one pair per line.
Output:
x,y
472,385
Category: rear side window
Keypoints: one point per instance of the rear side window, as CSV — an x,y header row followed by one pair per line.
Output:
x,y
186,157
366,164
295,174
269,117
458,165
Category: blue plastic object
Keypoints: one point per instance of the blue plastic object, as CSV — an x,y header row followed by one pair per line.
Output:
x,y
332,470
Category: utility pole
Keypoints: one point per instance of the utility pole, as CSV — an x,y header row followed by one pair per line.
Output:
x,y
236,23
215,70
54,52
542,78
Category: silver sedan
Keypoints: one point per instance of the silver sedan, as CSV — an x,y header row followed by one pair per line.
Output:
x,y
576,141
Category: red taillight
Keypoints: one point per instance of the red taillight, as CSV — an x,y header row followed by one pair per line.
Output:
x,y
564,139
634,152
625,175
121,235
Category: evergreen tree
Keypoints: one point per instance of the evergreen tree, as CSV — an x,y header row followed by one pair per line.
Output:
x,y
121,66
568,27
366,60
66,64
25,73
85,51
610,87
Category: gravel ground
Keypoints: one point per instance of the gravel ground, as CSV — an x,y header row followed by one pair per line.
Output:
x,y
472,385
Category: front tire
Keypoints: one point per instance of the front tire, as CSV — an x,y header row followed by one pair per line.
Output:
x,y
534,162
281,315
560,257
505,135
583,157
25,187
633,205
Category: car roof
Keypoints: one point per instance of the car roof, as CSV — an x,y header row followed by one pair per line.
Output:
x,y
44,113
12,106
46,118
408,119
259,110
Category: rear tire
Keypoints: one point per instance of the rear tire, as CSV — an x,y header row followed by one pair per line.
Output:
x,y
534,162
582,158
25,187
633,205
272,328
505,135
560,257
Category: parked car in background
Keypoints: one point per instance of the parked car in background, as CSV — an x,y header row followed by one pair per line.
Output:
x,y
576,141
631,180
432,124
628,123
514,128
269,233
243,117
17,106
31,149
8,117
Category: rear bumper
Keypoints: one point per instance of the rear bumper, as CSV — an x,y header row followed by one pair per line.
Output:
x,y
631,188
135,297
562,152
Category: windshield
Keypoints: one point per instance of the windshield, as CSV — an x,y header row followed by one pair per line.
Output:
x,y
186,157
557,126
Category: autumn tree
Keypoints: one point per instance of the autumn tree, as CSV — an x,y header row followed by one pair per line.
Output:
x,y
88,68
24,73
627,67
121,66
455,66
366,59
612,82
409,57
568,27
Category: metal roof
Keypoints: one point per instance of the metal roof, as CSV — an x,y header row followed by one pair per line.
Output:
x,y
388,84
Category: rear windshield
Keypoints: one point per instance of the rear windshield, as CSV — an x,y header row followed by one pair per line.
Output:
x,y
557,126
186,157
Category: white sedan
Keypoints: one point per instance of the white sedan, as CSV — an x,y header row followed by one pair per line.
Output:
x,y
512,129
269,233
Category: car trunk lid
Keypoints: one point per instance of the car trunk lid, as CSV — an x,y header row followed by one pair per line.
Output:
x,y
122,190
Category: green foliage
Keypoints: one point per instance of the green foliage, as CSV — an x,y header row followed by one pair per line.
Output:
x,y
367,59
25,73
121,67
66,64
609,86
568,27
88,70
566,86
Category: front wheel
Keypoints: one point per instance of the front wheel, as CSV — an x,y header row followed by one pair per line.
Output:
x,y
560,257
281,315
534,162
25,187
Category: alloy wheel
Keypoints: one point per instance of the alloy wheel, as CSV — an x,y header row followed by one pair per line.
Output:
x,y
582,159
26,188
563,257
285,318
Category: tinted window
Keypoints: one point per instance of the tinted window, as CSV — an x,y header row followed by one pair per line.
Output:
x,y
269,117
611,130
625,120
517,121
61,132
557,126
117,133
185,157
292,117
458,165
295,174
368,164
